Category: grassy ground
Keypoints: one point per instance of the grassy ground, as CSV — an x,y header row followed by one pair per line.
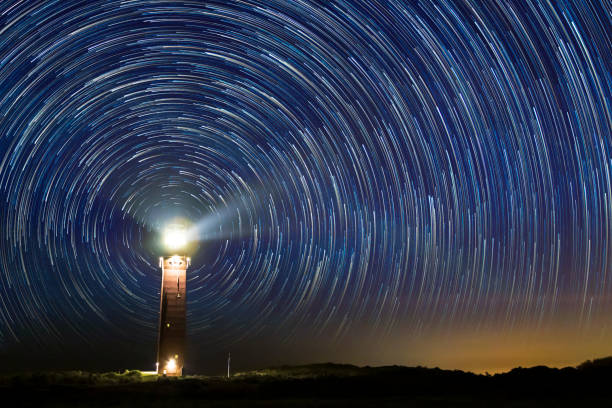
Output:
x,y
323,385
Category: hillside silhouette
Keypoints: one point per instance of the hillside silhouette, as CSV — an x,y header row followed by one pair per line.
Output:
x,y
319,385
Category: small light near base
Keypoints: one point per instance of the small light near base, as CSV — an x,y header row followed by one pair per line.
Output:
x,y
171,365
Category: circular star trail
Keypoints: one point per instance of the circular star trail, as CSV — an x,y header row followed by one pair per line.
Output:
x,y
352,168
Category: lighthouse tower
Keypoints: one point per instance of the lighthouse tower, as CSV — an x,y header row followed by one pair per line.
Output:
x,y
172,316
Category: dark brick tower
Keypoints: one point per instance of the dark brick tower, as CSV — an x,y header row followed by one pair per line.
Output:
x,y
172,316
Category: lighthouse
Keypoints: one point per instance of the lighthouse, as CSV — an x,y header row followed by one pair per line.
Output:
x,y
172,306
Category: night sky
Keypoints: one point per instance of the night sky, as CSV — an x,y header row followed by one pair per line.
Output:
x,y
404,182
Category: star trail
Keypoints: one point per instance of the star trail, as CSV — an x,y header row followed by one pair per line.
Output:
x,y
361,175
